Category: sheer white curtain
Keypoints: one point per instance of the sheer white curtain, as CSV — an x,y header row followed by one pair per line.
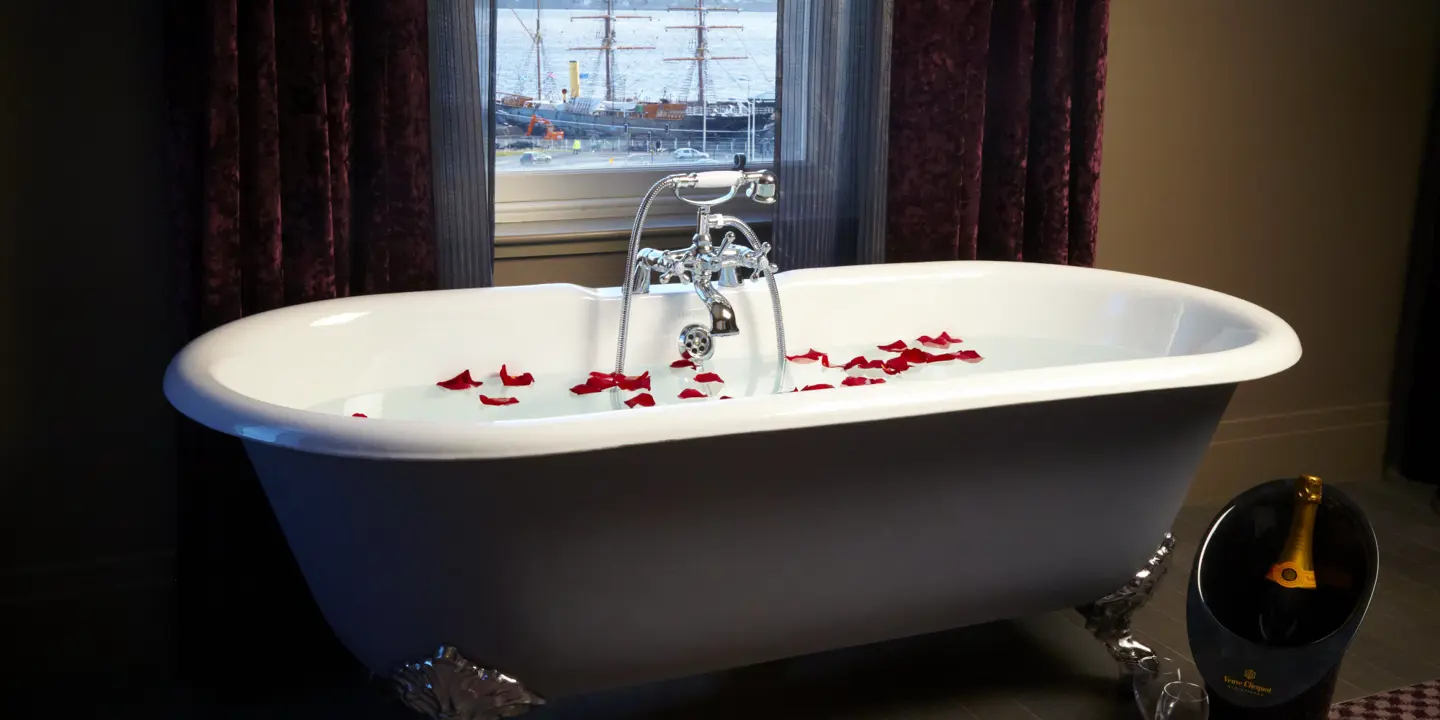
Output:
x,y
834,97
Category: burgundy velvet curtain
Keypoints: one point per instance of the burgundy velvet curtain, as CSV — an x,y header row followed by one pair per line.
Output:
x,y
995,126
313,162
301,150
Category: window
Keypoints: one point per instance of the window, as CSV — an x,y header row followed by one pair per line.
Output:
x,y
596,99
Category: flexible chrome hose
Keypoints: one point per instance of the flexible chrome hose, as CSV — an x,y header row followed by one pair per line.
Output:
x,y
779,331
626,285
774,301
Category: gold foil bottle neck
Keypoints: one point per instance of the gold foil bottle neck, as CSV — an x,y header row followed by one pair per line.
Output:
x,y
1309,488
1295,568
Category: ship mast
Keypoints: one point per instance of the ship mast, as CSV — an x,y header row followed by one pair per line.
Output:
x,y
607,42
539,56
702,50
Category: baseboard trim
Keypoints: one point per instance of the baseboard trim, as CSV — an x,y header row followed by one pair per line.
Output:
x,y
1341,444
1262,427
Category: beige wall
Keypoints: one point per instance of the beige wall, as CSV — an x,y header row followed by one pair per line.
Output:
x,y
1268,149
1271,150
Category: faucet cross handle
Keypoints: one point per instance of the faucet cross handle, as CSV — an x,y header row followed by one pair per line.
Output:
x,y
679,266
763,266
725,243
670,265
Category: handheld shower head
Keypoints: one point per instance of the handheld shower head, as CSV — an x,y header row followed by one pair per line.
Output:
x,y
762,188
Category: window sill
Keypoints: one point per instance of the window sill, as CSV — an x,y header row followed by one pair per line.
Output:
x,y
592,236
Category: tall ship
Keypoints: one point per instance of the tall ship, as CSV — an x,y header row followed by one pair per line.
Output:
x,y
584,108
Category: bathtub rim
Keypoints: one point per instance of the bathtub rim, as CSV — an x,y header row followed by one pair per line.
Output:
x,y
193,390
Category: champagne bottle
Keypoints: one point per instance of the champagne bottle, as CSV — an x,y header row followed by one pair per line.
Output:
x,y
1289,585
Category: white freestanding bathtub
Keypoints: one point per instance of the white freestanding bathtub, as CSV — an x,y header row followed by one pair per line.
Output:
x,y
579,544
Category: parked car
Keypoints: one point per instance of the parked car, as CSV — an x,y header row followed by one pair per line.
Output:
x,y
534,158
690,155
519,145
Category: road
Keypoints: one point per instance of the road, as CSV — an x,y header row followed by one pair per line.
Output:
x,y
563,159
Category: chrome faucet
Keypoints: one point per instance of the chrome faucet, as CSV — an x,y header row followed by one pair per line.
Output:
x,y
706,266
703,264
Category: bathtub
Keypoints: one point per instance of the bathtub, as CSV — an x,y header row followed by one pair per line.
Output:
x,y
577,544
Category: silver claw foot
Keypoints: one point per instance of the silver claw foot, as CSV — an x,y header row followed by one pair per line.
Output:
x,y
449,686
1108,618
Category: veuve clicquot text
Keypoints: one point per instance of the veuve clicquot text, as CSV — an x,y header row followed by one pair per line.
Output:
x,y
1289,585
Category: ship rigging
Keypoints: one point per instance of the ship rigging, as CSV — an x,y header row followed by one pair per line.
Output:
x,y
614,114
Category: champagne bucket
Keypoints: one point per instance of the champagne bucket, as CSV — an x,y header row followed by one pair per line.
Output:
x,y
1245,676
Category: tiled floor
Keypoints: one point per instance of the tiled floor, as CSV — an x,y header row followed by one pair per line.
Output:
x,y
1038,668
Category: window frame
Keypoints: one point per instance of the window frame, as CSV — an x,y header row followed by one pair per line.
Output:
x,y
541,206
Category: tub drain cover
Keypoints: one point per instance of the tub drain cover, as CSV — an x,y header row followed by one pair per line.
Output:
x,y
696,340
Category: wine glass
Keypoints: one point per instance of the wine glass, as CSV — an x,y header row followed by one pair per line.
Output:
x,y
1150,678
1181,700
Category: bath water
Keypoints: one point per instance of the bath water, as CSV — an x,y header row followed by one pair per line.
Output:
x,y
549,396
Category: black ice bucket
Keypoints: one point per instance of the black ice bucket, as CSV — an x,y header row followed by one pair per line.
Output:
x,y
1245,677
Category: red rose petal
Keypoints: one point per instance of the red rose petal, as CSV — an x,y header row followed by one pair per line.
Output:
x,y
641,400
915,356
463,381
864,364
896,346
809,357
896,365
498,400
515,381
359,415
853,381
938,357
636,382
943,340
877,381
685,361
819,386
689,393
969,356
602,381
726,397
708,377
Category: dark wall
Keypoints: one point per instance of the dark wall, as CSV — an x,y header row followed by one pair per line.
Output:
x,y
87,443
1415,389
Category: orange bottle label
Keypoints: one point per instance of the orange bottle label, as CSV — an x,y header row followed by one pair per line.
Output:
x,y
1291,575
